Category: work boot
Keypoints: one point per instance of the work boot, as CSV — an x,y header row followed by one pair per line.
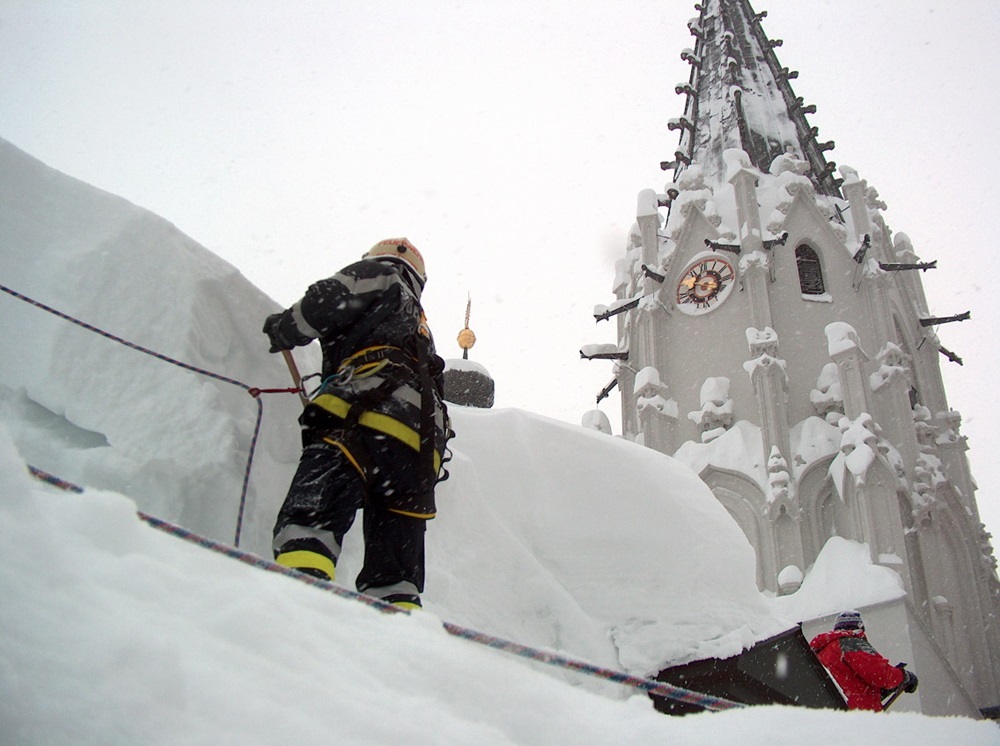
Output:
x,y
407,601
308,563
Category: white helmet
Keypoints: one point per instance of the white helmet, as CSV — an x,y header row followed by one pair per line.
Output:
x,y
400,249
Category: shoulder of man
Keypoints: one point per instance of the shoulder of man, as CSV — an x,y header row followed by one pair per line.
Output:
x,y
368,268
856,644
361,277
823,639
336,300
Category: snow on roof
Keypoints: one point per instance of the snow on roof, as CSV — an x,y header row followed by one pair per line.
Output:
x,y
466,365
841,337
647,377
547,533
739,449
824,591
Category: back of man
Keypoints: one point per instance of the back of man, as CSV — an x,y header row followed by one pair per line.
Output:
x,y
859,670
374,435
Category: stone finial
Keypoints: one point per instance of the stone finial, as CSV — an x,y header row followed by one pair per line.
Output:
x,y
465,382
466,337
716,413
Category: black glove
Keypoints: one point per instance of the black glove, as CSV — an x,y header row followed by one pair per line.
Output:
x,y
273,330
909,684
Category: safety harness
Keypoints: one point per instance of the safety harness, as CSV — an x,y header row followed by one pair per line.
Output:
x,y
331,418
396,368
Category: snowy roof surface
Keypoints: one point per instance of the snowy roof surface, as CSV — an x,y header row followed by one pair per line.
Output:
x,y
548,534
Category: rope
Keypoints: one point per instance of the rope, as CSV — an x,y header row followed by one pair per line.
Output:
x,y
232,552
54,480
679,694
705,701
658,688
262,564
254,392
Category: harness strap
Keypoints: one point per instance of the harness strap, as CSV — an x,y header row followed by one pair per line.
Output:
x,y
375,420
368,362
357,454
363,362
428,466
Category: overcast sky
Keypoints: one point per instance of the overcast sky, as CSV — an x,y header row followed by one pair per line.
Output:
x,y
507,140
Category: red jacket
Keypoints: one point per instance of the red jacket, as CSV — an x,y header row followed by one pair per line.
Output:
x,y
857,668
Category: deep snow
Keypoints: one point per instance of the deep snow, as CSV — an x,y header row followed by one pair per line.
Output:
x,y
548,534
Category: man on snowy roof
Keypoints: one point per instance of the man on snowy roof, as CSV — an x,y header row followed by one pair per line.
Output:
x,y
375,433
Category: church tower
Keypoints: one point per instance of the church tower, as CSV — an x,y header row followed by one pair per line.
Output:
x,y
773,334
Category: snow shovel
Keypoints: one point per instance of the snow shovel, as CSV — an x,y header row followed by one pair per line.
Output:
x,y
296,378
896,692
892,698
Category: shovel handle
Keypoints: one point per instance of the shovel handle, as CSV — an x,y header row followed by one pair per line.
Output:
x,y
293,369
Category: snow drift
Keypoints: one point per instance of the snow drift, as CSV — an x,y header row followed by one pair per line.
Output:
x,y
115,634
548,534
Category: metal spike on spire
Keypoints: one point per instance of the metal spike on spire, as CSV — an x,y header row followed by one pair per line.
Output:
x,y
739,97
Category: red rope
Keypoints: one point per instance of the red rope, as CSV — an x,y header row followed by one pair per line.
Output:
x,y
255,392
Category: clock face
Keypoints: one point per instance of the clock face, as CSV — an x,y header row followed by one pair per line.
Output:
x,y
705,284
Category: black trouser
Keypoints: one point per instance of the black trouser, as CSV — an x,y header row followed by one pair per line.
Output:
x,y
337,476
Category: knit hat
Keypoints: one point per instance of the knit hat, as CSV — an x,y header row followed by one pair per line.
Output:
x,y
400,249
849,620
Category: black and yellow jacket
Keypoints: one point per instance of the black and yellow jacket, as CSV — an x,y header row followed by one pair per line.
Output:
x,y
380,367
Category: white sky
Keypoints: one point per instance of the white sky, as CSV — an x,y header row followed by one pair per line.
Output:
x,y
508,141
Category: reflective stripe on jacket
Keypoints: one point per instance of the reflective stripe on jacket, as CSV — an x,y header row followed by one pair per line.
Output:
x,y
371,304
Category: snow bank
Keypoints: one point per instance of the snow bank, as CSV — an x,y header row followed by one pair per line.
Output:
x,y
115,634
549,534
599,546
123,635
824,592
97,412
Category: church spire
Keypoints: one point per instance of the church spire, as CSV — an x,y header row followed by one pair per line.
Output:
x,y
739,97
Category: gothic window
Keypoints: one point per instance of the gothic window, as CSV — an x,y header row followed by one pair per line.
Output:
x,y
810,271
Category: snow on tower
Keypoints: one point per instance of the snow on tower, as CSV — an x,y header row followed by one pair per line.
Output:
x,y
765,266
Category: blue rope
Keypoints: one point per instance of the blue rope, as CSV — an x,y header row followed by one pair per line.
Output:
x,y
54,480
688,696
254,392
659,688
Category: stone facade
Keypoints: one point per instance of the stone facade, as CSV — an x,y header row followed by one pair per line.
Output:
x,y
775,336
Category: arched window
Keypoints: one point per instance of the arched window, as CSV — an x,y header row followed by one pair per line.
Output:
x,y
810,271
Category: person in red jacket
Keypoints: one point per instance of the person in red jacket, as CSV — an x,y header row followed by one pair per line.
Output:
x,y
860,672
